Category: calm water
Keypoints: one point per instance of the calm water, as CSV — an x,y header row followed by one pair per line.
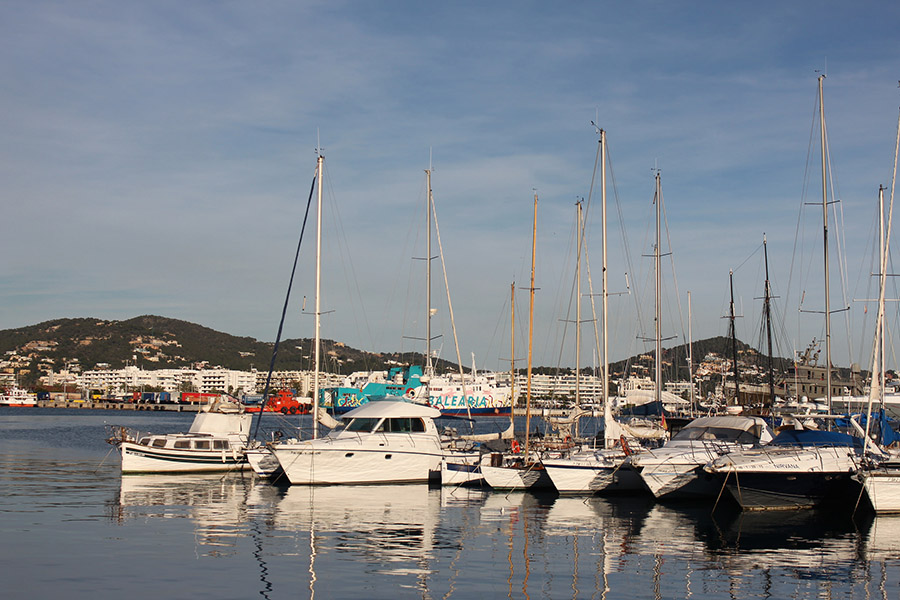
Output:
x,y
72,527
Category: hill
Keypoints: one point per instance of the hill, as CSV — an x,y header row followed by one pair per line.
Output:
x,y
154,342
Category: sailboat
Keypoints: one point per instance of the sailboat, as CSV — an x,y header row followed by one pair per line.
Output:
x,y
260,456
676,469
595,470
520,469
800,468
880,474
461,464
456,394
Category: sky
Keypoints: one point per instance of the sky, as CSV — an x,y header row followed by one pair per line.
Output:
x,y
157,158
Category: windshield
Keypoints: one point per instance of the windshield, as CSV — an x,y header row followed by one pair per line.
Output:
x,y
715,434
363,424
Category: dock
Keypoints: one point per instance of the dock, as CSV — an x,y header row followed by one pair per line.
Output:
x,y
103,405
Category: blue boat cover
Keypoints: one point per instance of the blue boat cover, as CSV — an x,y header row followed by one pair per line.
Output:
x,y
811,437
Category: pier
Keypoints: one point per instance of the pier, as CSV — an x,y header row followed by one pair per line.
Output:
x,y
102,405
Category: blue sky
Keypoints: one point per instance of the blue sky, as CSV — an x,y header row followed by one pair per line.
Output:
x,y
157,157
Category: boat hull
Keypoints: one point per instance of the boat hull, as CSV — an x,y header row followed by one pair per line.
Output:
x,y
594,475
513,473
347,459
138,458
763,491
788,478
263,462
462,470
883,489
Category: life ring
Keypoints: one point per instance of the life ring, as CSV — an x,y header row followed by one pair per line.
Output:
x,y
514,446
410,393
624,444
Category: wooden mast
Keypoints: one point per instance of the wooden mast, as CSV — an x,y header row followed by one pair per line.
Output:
x,y
320,174
530,329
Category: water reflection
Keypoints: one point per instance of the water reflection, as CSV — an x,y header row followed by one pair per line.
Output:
x,y
216,504
446,542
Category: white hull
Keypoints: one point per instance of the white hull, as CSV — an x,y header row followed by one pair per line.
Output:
x,y
672,474
137,458
676,469
883,489
262,461
461,468
592,473
510,478
348,458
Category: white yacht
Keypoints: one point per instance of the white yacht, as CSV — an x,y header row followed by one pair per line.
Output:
x,y
215,442
676,469
383,441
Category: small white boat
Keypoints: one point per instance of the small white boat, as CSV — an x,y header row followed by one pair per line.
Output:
x,y
384,441
600,470
18,397
216,441
263,462
461,468
881,481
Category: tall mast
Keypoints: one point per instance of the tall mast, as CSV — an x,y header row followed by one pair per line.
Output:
x,y
512,359
607,409
878,377
578,313
690,353
768,314
825,237
429,368
320,172
530,329
734,359
656,258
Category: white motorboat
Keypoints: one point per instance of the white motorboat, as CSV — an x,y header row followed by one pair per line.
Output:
x,y
383,441
216,441
676,469
18,397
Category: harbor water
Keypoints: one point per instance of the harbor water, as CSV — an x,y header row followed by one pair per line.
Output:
x,y
73,527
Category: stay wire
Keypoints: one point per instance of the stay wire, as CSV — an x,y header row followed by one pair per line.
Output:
x,y
287,298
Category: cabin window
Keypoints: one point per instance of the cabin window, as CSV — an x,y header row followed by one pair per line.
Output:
x,y
144,442
220,445
402,425
201,444
159,443
362,424
182,444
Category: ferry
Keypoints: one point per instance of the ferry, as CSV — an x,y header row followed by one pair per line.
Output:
x,y
16,396
478,395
